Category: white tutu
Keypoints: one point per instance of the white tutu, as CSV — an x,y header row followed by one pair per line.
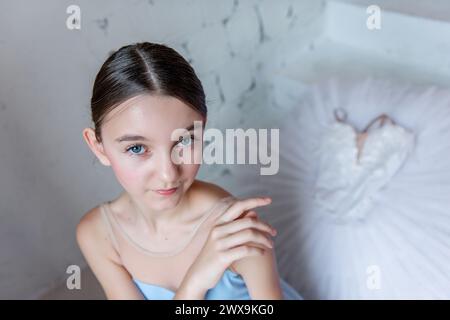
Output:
x,y
351,171
376,230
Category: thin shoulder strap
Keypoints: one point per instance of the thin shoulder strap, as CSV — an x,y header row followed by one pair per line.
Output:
x,y
208,213
107,221
383,117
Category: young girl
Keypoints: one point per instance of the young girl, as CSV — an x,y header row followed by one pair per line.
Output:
x,y
168,235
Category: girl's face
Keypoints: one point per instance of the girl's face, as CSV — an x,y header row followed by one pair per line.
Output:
x,y
138,143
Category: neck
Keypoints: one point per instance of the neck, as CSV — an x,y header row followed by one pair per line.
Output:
x,y
158,220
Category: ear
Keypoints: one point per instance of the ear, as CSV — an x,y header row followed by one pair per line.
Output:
x,y
95,146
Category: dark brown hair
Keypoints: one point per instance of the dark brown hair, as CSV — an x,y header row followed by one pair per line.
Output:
x,y
144,68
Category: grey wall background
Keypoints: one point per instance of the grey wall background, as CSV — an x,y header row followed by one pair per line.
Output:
x,y
48,176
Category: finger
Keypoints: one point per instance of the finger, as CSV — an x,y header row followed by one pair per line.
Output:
x,y
244,223
240,252
250,213
258,245
236,209
245,236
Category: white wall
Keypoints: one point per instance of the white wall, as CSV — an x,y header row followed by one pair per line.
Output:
x,y
48,176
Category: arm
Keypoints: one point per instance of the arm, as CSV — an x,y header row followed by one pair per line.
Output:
x,y
104,262
261,276
259,273
188,290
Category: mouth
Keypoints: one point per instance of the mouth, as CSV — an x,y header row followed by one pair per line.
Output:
x,y
166,192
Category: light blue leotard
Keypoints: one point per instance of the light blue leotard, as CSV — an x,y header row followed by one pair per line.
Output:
x,y
230,287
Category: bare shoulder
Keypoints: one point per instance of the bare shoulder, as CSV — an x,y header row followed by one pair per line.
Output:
x,y
206,194
89,224
91,234
89,229
94,242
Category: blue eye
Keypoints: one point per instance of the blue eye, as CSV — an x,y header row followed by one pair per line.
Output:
x,y
135,148
186,141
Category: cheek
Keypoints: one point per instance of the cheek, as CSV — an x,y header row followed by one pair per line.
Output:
x,y
192,159
134,179
128,176
188,155
190,171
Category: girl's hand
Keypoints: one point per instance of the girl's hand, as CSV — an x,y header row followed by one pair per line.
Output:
x,y
233,237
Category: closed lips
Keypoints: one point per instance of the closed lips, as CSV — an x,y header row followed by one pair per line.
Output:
x,y
166,190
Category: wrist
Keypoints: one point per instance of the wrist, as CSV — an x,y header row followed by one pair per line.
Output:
x,y
190,289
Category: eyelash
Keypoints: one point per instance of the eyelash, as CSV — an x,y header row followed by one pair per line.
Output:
x,y
141,145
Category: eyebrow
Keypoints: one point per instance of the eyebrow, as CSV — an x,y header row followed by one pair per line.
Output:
x,y
134,137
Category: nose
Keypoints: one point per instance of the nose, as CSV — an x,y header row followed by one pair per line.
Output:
x,y
168,170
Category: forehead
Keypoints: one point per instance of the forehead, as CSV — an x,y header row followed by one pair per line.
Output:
x,y
154,117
